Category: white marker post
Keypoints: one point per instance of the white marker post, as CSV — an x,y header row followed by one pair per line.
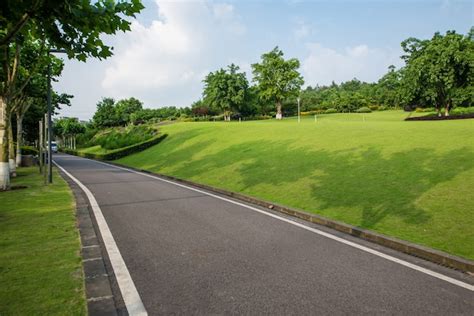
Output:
x,y
299,113
315,118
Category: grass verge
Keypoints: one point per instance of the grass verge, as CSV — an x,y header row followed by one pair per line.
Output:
x,y
410,180
40,263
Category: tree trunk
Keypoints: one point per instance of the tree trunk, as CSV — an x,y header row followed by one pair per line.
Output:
x,y
279,116
447,108
4,169
11,149
19,138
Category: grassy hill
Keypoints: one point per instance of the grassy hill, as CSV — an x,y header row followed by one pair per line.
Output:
x,y
411,180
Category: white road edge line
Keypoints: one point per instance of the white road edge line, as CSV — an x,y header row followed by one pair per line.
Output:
x,y
129,292
314,230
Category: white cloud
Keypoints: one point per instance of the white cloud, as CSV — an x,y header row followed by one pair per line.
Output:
x,y
302,30
172,53
323,65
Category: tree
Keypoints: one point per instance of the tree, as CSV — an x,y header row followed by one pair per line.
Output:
x,y
277,78
68,128
388,88
73,25
437,69
124,108
226,90
106,114
34,91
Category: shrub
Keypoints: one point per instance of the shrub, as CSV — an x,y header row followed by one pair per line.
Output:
x,y
374,107
122,137
29,150
120,152
363,109
461,110
330,111
425,110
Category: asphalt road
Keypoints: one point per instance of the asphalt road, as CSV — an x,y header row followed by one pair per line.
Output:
x,y
190,253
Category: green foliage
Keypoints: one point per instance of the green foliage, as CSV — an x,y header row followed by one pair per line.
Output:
x,y
277,78
364,110
157,115
74,25
439,71
461,110
226,90
119,152
68,126
29,150
106,114
330,111
125,108
114,138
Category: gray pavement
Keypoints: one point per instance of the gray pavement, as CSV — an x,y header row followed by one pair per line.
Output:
x,y
190,253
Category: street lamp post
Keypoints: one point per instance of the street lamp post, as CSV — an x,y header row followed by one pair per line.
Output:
x,y
50,125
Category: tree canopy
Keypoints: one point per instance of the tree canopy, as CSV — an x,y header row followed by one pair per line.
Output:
x,y
439,71
226,90
277,78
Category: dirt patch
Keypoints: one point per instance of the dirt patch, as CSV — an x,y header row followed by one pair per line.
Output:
x,y
441,118
18,187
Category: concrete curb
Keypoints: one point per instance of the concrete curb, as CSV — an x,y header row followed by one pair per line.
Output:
x,y
426,253
98,287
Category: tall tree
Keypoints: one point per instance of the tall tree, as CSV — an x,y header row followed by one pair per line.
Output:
x,y
124,108
437,69
226,89
277,78
106,114
73,25
67,129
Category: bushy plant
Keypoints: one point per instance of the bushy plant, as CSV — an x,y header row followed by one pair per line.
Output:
x,y
374,107
123,137
461,110
29,150
330,111
120,152
363,109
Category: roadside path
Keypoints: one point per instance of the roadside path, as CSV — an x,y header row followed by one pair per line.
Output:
x,y
189,252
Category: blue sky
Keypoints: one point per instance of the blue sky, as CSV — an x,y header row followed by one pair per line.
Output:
x,y
174,44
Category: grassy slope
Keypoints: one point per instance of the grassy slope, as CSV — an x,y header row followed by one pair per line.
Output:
x,y
40,264
411,180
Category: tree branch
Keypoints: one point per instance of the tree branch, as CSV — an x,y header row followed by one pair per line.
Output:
x,y
19,25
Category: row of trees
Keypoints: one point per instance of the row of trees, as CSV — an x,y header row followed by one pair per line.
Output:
x,y
438,73
130,111
67,129
29,29
228,91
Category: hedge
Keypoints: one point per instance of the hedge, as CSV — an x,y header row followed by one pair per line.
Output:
x,y
120,152
29,150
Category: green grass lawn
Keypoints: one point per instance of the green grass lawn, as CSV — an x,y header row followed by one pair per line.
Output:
x,y
411,180
40,263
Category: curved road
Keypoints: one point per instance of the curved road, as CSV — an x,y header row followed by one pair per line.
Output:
x,y
188,252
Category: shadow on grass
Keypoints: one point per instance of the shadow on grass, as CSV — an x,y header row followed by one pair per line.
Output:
x,y
365,179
